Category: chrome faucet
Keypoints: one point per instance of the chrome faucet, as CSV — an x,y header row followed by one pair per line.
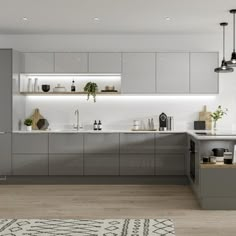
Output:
x,y
76,126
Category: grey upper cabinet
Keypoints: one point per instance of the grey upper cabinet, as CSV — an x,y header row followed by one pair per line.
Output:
x,y
104,62
66,143
203,79
30,143
6,90
5,154
71,62
138,73
101,143
37,62
137,143
172,71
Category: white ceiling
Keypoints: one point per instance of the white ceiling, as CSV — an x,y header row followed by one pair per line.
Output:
x,y
116,16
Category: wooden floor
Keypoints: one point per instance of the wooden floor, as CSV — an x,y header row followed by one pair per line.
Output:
x,y
116,201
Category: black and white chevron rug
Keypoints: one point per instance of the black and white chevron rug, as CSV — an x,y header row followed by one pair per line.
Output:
x,y
73,227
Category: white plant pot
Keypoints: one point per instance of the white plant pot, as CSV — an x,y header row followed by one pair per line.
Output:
x,y
29,128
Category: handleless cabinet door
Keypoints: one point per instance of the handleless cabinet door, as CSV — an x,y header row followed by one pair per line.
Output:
x,y
171,143
65,164
137,143
137,164
170,164
30,164
203,79
6,90
30,143
38,62
172,73
104,62
138,73
71,62
101,143
66,143
101,164
5,154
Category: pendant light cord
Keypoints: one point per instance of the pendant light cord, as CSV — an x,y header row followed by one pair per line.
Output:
x,y
223,42
234,31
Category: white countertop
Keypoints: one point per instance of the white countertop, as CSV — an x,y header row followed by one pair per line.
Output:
x,y
222,135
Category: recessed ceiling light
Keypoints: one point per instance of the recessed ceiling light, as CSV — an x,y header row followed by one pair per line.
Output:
x,y
24,18
167,18
96,19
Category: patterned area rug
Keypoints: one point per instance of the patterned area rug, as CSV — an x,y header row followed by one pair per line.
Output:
x,y
72,227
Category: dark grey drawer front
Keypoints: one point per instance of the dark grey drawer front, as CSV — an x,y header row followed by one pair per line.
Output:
x,y
137,164
170,164
66,143
30,164
66,164
101,164
137,143
171,143
101,143
30,143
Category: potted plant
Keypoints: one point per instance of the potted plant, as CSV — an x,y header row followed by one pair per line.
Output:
x,y
28,122
218,114
91,89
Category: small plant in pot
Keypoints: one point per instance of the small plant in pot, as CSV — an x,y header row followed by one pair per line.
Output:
x,y
218,114
28,123
91,89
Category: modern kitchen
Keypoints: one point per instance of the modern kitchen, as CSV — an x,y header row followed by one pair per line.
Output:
x,y
115,126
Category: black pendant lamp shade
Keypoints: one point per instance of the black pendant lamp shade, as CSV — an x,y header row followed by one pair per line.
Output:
x,y
224,66
232,62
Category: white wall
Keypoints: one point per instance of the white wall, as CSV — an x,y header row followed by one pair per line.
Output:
x,y
120,111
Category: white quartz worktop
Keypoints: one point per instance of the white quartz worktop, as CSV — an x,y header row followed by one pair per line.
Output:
x,y
222,135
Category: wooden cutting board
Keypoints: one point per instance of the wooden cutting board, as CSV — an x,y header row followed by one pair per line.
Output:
x,y
206,116
35,118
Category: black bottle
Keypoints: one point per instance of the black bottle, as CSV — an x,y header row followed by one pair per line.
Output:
x,y
95,125
73,86
99,125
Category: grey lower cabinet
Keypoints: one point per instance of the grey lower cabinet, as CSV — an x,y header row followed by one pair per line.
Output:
x,y
101,154
137,154
5,154
137,143
66,164
101,164
30,143
30,154
101,143
66,154
170,154
66,143
137,164
170,164
30,164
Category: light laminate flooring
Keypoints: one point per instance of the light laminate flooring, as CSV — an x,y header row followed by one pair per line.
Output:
x,y
116,201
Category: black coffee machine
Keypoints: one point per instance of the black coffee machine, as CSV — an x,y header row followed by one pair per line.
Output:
x,y
163,122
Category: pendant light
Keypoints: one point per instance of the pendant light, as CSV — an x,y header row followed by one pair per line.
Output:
x,y
224,67
232,62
